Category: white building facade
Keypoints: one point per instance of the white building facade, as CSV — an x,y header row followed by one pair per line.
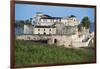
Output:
x,y
45,24
46,20
28,29
44,30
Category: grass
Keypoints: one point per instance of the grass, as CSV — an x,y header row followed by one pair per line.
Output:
x,y
29,52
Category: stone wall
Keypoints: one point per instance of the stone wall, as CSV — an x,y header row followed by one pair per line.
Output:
x,y
59,40
54,39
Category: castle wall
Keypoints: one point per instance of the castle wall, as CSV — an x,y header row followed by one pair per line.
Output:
x,y
28,29
45,31
59,40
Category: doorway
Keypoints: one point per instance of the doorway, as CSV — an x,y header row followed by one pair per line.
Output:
x,y
55,41
44,33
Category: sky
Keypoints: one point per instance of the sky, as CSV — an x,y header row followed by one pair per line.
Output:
x,y
27,11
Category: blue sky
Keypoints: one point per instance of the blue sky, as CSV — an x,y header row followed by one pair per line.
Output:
x,y
26,11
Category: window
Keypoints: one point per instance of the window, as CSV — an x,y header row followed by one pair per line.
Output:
x,y
44,33
74,19
52,20
44,29
45,20
38,29
49,29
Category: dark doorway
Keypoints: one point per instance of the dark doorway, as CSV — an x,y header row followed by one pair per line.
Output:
x,y
44,33
55,40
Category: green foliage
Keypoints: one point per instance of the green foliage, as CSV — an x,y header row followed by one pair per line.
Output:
x,y
86,22
19,23
29,52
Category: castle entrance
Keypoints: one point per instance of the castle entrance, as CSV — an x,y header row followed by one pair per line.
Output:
x,y
55,41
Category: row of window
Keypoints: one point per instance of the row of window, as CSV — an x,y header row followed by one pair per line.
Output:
x,y
52,20
43,33
44,29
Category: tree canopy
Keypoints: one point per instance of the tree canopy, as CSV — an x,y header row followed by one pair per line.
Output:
x,y
86,22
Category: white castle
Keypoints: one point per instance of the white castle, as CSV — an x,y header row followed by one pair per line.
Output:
x,y
45,24
57,30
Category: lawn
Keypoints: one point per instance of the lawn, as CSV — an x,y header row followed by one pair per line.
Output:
x,y
29,52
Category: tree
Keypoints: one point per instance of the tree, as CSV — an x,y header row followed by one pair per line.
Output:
x,y
86,22
19,23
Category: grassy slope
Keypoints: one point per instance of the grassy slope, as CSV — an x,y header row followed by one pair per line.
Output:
x,y
28,52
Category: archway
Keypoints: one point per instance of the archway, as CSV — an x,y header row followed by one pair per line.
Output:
x,y
55,40
44,33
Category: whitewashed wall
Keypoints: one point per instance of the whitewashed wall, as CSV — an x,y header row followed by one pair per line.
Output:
x,y
28,29
46,31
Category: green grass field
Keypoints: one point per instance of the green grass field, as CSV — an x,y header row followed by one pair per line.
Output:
x,y
29,52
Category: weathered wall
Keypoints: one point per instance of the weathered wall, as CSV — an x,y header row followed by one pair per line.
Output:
x,y
28,29
59,40
44,30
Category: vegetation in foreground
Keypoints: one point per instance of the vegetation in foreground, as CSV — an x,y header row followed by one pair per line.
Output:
x,y
29,52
